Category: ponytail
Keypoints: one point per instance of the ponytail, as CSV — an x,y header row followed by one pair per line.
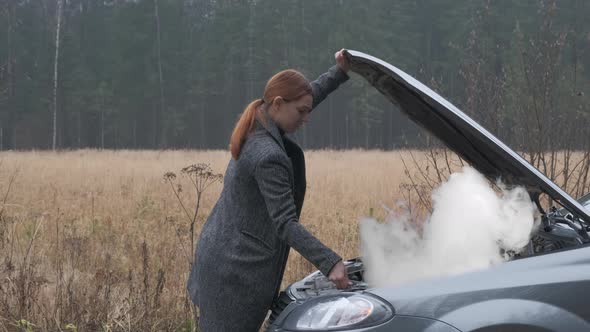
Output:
x,y
243,127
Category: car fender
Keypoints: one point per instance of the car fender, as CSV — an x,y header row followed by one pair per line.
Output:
x,y
527,315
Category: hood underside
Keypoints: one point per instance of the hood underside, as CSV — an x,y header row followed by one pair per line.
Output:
x,y
460,133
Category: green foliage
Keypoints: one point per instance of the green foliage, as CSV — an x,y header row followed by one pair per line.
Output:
x,y
187,326
24,325
71,327
217,55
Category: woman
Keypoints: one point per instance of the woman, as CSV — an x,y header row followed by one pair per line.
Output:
x,y
243,247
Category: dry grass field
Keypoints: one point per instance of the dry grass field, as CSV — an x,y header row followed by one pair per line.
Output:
x,y
97,240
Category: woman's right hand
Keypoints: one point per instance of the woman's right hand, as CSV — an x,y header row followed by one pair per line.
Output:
x,y
339,276
341,60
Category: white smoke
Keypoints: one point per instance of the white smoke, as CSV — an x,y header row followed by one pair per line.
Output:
x,y
470,226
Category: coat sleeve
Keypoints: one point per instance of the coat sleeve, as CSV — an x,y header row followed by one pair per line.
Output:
x,y
326,83
274,182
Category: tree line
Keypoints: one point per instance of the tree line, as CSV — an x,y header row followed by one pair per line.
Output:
x,y
140,74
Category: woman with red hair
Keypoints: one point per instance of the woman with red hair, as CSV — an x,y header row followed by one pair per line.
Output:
x,y
243,247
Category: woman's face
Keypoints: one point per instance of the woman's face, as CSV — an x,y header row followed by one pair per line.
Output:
x,y
290,115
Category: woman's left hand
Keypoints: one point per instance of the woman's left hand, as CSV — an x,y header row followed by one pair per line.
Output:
x,y
341,60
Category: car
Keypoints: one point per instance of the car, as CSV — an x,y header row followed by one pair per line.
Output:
x,y
544,288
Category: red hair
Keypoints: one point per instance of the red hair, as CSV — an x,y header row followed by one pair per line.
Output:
x,y
288,84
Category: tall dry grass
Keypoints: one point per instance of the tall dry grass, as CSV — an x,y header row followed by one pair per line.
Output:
x,y
97,241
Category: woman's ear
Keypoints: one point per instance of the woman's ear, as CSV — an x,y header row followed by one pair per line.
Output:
x,y
277,102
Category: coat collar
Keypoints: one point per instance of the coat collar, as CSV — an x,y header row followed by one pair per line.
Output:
x,y
271,127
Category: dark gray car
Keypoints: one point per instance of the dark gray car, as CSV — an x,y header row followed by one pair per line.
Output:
x,y
546,288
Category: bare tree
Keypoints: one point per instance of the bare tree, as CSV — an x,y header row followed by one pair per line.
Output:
x,y
160,80
55,71
9,66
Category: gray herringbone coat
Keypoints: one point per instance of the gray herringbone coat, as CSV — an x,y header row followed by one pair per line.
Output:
x,y
243,246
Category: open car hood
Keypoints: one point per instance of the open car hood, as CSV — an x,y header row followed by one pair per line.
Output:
x,y
460,133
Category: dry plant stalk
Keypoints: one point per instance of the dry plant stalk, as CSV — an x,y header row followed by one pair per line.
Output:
x,y
201,177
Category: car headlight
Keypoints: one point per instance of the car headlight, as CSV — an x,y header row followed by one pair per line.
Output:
x,y
342,311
